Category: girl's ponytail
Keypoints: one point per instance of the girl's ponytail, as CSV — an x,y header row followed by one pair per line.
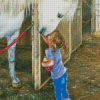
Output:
x,y
65,47
59,42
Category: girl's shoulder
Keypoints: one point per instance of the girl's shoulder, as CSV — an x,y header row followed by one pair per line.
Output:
x,y
57,52
48,49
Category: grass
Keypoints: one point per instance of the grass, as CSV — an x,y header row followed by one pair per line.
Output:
x,y
4,63
23,65
35,95
20,65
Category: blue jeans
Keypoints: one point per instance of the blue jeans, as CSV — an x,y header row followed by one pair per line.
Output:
x,y
60,86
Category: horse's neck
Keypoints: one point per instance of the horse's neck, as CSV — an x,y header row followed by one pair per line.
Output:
x,y
13,7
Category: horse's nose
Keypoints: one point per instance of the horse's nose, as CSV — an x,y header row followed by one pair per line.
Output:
x,y
42,31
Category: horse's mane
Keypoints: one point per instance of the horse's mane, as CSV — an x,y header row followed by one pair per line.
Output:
x,y
13,7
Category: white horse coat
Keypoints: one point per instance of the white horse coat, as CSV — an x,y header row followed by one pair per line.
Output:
x,y
50,13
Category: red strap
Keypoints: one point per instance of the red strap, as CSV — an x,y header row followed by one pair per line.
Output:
x,y
85,21
12,42
46,39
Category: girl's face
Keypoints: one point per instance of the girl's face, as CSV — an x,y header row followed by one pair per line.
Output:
x,y
50,37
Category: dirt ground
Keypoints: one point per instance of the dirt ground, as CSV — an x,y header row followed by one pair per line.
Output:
x,y
83,75
84,70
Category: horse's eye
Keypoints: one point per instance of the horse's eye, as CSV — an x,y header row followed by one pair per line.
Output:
x,y
60,15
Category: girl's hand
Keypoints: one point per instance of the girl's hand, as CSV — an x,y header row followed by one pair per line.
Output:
x,y
48,62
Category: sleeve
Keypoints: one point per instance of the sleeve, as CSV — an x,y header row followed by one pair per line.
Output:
x,y
49,53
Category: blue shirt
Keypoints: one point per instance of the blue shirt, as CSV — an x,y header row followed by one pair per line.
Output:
x,y
58,68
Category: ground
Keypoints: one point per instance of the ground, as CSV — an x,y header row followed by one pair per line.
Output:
x,y
83,75
83,71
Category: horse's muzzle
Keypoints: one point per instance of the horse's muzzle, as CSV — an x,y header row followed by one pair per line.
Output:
x,y
42,31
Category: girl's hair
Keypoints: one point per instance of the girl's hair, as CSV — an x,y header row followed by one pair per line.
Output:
x,y
58,41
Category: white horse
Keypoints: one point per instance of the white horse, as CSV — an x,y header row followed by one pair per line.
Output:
x,y
50,13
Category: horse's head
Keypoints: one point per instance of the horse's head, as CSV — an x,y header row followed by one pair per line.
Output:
x,y
51,12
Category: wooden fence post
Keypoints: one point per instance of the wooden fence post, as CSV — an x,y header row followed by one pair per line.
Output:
x,y
32,37
36,53
93,19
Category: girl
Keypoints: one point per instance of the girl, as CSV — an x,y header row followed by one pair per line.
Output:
x,y
53,58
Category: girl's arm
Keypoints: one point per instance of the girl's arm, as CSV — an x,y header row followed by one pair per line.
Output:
x,y
48,63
